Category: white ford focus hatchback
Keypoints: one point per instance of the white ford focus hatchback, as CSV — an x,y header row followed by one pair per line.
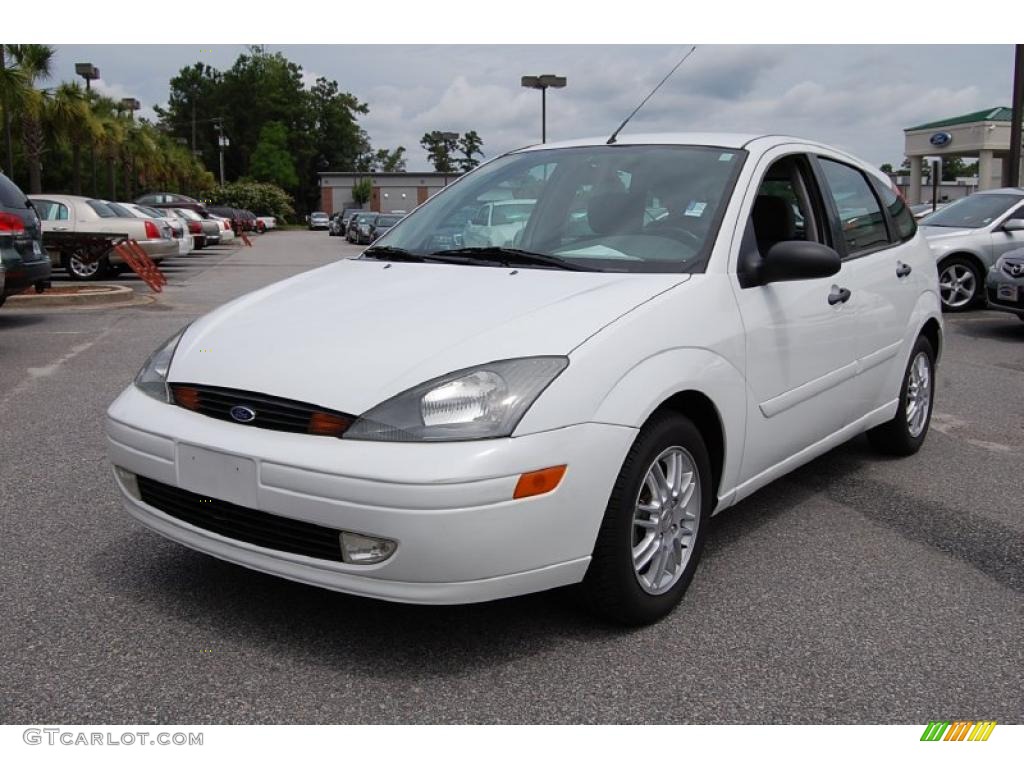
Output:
x,y
679,320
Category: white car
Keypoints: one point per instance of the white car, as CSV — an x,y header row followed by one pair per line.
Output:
x,y
227,234
497,223
478,422
179,229
264,223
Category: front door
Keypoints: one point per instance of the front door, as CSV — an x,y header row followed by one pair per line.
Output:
x,y
801,339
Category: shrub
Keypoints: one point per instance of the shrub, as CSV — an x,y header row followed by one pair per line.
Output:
x,y
261,198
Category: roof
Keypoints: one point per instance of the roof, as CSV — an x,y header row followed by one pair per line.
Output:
x,y
700,139
992,114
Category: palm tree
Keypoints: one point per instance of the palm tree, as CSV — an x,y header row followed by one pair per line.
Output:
x,y
34,60
112,134
13,88
67,118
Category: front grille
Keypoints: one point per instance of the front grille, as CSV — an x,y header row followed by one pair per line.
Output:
x,y
241,523
1014,268
269,412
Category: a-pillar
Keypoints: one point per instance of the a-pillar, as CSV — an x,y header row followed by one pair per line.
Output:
x,y
915,179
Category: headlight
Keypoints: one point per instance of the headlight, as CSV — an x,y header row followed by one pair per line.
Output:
x,y
475,403
152,377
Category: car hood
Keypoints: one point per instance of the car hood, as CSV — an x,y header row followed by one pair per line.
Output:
x,y
352,334
940,234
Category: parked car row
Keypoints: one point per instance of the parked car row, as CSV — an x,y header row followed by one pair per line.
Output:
x,y
163,225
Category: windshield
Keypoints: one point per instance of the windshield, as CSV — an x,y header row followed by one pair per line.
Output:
x,y
972,212
617,208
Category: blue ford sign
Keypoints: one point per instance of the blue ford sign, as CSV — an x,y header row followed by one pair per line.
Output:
x,y
242,414
940,139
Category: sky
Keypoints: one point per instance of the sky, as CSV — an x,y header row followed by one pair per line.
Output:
x,y
858,98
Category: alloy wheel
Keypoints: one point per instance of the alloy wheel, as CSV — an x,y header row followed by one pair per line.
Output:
x,y
83,270
919,394
957,285
665,520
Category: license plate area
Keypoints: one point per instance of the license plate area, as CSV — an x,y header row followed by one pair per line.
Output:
x,y
217,475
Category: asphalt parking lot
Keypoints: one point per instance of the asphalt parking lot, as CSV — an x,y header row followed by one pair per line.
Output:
x,y
855,590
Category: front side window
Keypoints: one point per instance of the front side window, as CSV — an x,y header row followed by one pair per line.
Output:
x,y
860,214
618,208
972,212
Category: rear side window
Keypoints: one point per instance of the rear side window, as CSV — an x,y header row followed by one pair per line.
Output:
x,y
102,209
48,210
899,212
860,213
10,195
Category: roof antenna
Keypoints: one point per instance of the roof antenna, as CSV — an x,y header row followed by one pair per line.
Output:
x,y
611,139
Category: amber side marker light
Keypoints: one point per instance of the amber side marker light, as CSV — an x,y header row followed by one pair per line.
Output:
x,y
187,397
321,423
538,482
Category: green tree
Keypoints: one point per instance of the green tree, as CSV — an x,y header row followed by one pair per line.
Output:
x,y
68,120
271,160
34,61
361,191
470,145
440,149
390,161
14,88
260,198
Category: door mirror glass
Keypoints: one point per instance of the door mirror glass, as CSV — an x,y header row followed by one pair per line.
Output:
x,y
1013,225
798,260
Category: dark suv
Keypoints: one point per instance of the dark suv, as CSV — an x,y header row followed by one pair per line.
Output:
x,y
23,260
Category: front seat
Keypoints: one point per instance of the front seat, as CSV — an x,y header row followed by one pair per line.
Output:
x,y
615,213
773,222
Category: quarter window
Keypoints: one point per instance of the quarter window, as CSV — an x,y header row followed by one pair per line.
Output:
x,y
899,212
860,214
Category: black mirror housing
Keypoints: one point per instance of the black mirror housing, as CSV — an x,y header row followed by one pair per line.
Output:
x,y
798,260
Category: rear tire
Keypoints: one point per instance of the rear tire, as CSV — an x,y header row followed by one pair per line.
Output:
x,y
625,582
905,433
82,271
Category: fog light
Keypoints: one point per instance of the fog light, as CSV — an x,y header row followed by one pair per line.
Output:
x,y
365,550
129,480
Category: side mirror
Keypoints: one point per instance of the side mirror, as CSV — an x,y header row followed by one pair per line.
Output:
x,y
798,260
1013,225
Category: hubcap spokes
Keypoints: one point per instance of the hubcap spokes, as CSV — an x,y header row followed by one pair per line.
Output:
x,y
82,269
665,520
957,285
919,394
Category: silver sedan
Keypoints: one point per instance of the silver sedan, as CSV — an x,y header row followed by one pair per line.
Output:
x,y
967,237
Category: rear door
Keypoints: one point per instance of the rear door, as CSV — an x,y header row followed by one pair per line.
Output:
x,y
887,268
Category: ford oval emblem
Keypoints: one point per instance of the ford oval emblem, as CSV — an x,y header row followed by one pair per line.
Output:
x,y
242,413
940,139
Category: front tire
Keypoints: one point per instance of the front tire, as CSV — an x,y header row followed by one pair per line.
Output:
x,y
960,284
905,433
653,529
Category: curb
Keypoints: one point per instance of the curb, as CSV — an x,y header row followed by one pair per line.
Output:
x,y
88,296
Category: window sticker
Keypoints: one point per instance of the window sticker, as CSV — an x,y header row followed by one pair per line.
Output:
x,y
695,209
725,157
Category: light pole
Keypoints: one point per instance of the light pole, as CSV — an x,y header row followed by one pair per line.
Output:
x,y
542,83
222,143
89,72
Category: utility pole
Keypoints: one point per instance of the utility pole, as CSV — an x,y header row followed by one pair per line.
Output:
x,y
1013,177
222,144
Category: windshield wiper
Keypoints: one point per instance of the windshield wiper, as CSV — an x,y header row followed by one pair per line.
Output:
x,y
509,256
391,253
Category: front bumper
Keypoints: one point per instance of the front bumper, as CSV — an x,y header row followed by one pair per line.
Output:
x,y
461,537
996,279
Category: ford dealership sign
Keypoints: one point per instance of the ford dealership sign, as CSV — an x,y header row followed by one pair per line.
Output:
x,y
940,139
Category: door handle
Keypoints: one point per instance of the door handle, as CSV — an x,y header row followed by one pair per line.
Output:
x,y
838,295
902,270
